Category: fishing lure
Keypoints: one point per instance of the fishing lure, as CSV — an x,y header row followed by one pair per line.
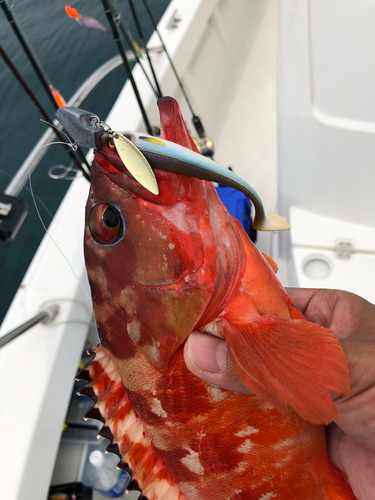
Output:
x,y
161,266
153,152
90,22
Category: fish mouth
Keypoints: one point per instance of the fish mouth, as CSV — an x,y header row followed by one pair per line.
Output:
x,y
172,187
110,162
113,167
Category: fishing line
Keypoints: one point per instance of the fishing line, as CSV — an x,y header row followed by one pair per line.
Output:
x,y
41,202
72,145
45,228
64,176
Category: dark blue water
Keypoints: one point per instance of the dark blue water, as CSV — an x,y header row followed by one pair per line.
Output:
x,y
69,54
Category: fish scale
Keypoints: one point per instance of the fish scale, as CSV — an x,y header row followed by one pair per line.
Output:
x,y
178,262
206,446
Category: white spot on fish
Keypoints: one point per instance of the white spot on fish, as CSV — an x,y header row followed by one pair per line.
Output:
x,y
134,429
124,425
245,446
138,216
247,431
129,300
157,408
164,236
99,277
171,246
190,490
284,461
134,329
135,365
285,443
178,218
216,393
267,406
165,265
241,467
161,488
192,462
267,496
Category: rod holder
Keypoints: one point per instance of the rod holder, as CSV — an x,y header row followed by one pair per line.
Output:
x,y
47,315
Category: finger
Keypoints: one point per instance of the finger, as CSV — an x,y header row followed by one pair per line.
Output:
x,y
301,296
353,458
316,304
207,357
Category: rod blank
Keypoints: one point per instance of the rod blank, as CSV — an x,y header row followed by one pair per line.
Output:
x,y
45,316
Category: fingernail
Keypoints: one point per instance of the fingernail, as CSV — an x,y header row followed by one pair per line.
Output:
x,y
208,353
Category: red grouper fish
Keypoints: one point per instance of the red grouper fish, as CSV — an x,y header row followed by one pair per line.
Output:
x,y
161,266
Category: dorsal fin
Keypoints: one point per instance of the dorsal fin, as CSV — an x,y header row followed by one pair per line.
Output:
x,y
112,406
172,124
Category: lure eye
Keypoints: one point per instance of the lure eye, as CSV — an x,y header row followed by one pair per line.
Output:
x,y
111,144
105,223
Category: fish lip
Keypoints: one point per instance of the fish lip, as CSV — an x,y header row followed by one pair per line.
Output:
x,y
130,180
121,177
101,154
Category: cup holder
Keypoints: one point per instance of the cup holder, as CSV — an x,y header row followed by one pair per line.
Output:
x,y
317,267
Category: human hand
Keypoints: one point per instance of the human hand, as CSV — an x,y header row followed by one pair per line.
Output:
x,y
351,438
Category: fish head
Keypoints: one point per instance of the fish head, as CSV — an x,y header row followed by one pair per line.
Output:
x,y
150,258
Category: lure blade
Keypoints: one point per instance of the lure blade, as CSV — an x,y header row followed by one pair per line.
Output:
x,y
136,163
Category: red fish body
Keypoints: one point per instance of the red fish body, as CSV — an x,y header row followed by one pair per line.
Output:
x,y
177,262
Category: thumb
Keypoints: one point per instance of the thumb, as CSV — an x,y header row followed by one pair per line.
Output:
x,y
207,357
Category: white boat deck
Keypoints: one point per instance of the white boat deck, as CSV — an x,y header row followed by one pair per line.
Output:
x,y
246,131
244,125
226,57
225,53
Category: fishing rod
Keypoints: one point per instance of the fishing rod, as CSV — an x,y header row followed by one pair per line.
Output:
x,y
120,47
32,58
132,48
196,120
35,100
140,31
90,22
54,95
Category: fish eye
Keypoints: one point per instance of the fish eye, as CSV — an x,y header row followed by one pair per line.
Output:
x,y
111,144
105,223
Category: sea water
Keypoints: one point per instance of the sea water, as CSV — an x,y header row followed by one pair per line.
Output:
x,y
69,54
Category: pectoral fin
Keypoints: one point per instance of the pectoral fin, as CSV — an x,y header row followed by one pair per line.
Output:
x,y
337,487
290,362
